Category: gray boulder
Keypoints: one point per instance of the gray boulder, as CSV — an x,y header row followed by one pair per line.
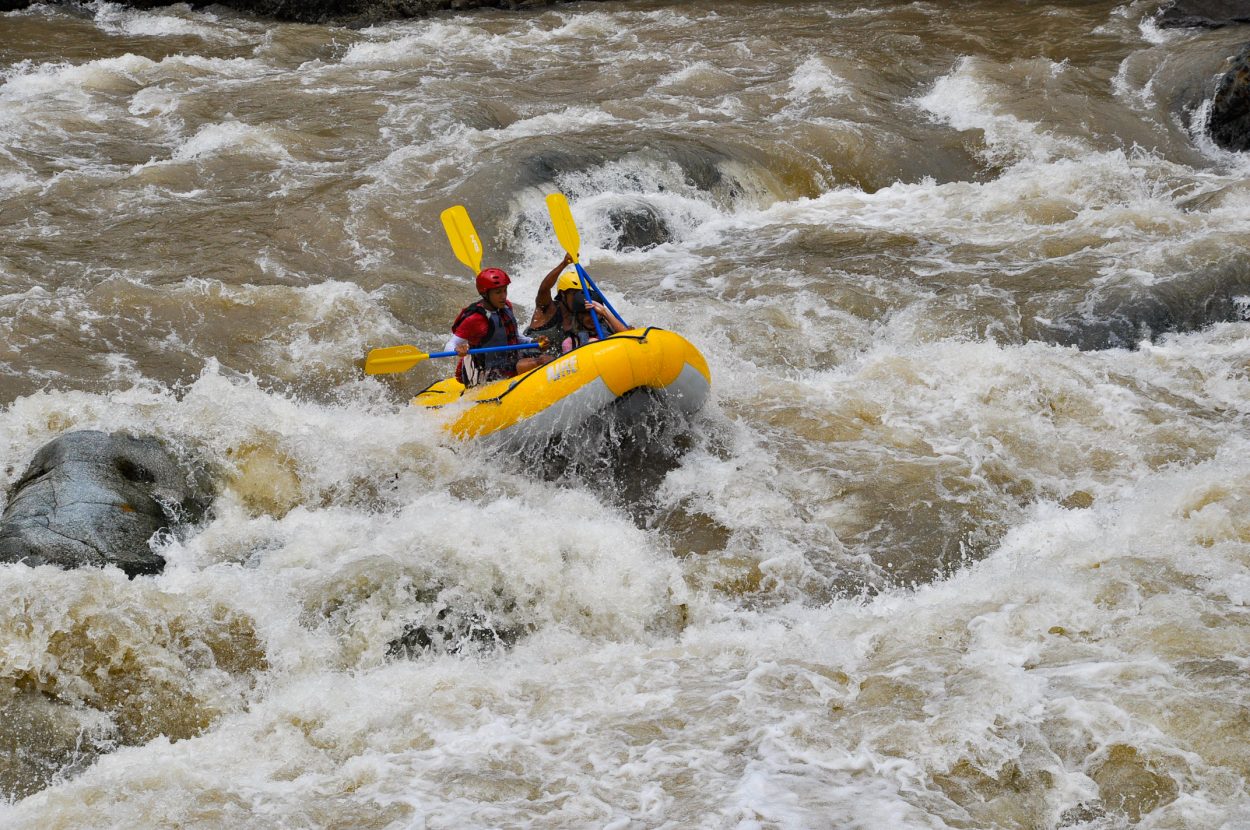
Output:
x,y
92,498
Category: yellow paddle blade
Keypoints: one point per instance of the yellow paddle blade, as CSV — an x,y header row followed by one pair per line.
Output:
x,y
562,221
464,240
393,359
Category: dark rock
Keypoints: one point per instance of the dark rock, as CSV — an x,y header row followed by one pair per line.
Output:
x,y
93,499
1123,319
635,221
1208,14
451,631
638,226
543,167
328,11
1230,107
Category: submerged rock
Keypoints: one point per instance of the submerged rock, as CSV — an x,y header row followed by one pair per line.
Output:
x,y
92,498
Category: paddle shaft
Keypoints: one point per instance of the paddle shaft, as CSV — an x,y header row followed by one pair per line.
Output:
x,y
486,349
402,358
587,281
594,317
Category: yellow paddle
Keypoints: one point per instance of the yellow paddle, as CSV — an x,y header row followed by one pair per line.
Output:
x,y
468,249
571,242
464,240
402,358
562,221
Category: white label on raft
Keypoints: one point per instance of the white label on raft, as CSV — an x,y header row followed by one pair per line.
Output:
x,y
562,369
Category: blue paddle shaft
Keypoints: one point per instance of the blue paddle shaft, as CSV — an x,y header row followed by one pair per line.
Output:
x,y
586,280
514,347
594,318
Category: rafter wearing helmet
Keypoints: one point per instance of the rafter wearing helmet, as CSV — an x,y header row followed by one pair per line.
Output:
x,y
564,319
491,321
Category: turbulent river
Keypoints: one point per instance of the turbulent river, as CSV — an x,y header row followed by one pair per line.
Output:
x,y
961,540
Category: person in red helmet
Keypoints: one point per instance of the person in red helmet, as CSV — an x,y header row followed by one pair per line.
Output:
x,y
491,321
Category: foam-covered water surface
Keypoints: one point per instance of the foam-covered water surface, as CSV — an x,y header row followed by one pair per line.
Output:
x,y
959,540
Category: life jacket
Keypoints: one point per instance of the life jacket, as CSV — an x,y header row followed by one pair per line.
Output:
x,y
554,331
501,330
577,339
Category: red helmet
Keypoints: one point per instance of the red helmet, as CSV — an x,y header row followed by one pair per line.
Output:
x,y
491,278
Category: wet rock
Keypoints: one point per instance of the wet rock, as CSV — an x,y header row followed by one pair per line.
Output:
x,y
360,12
450,631
91,498
1229,120
454,620
1122,319
634,174
1210,14
638,226
1229,125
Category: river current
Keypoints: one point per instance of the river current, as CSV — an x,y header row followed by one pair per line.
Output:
x,y
962,539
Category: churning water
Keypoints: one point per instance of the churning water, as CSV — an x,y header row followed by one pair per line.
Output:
x,y
961,541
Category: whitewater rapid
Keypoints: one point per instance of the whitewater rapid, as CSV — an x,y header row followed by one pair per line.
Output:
x,y
960,540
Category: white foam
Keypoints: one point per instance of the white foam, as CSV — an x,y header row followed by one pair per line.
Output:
x,y
15,182
698,78
1044,656
729,685
1153,34
1130,88
231,137
174,21
580,118
216,68
427,42
965,100
814,77
27,81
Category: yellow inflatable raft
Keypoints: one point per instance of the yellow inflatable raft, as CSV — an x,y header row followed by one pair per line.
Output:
x,y
574,386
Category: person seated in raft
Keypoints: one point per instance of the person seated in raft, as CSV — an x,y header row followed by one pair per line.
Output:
x,y
552,315
583,331
491,322
557,319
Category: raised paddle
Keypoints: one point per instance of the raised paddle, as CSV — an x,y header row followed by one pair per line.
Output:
x,y
570,240
402,358
467,247
465,243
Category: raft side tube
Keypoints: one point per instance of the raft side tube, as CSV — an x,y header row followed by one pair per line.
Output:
x,y
571,388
